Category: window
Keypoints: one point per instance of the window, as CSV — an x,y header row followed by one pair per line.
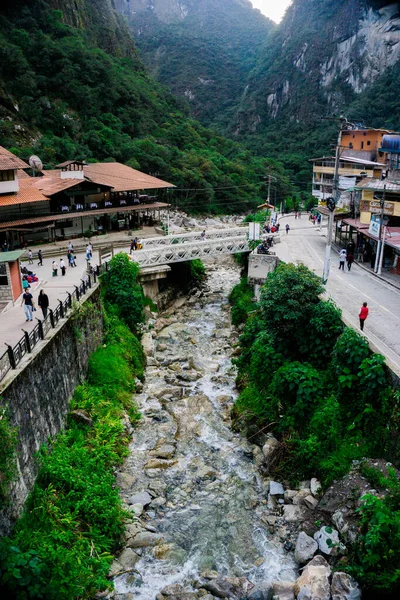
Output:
x,y
3,274
362,145
368,143
7,175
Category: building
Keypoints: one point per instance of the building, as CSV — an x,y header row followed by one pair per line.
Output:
x,y
72,199
365,144
364,228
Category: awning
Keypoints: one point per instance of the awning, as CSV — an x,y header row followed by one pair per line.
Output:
x,y
323,210
77,215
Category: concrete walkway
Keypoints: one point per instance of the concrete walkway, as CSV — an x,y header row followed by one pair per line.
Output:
x,y
306,244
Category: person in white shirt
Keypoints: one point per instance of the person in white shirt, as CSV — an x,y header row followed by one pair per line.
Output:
x,y
342,259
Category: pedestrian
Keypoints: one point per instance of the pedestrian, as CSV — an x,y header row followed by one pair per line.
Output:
x,y
295,215
40,258
54,265
203,235
299,214
133,243
27,301
88,252
273,229
43,302
350,260
342,259
70,247
319,219
25,283
277,227
287,228
62,267
30,257
5,246
360,253
71,259
363,315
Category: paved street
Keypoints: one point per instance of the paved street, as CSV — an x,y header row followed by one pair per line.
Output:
x,y
306,244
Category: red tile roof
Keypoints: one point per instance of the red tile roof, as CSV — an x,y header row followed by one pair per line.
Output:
x,y
9,161
122,178
27,193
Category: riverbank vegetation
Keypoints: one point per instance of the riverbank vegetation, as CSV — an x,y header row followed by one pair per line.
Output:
x,y
63,544
318,387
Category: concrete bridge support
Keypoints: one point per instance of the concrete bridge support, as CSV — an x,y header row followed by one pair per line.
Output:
x,y
260,265
149,277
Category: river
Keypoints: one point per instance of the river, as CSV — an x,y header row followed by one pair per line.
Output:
x,y
209,502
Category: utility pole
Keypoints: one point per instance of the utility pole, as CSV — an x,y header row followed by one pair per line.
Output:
x,y
379,254
269,185
331,206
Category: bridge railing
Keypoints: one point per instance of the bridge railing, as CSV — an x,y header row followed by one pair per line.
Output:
x,y
14,354
182,238
190,250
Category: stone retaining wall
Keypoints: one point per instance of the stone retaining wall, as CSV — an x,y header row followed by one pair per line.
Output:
x,y
38,394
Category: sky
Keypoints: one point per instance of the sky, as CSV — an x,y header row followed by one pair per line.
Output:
x,y
274,9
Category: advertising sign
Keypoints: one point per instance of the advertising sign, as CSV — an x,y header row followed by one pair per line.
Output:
x,y
374,207
374,226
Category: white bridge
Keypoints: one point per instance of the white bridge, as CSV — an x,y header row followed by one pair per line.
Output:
x,y
189,246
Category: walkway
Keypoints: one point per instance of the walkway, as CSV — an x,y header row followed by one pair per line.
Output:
x,y
306,244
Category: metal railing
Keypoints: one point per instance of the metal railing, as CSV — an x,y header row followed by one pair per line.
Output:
x,y
14,354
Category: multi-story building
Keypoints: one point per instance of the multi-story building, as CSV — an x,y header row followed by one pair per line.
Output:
x,y
73,198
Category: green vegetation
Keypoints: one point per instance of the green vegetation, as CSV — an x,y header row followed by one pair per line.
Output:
x,y
241,299
8,448
76,100
197,270
62,546
325,395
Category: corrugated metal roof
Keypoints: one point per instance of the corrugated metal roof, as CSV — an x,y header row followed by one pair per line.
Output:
x,y
27,193
378,185
8,161
10,256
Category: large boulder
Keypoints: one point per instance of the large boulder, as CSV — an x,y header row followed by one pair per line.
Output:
x,y
269,449
344,587
313,583
276,489
305,549
328,541
283,590
261,591
234,588
143,498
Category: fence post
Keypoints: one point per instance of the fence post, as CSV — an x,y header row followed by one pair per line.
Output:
x,y
11,356
51,317
69,300
27,341
107,266
61,309
89,282
78,295
41,334
94,276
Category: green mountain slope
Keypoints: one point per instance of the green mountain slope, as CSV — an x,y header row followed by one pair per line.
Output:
x,y
202,49
71,85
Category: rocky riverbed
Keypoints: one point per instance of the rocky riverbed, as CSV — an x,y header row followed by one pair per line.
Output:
x,y
207,523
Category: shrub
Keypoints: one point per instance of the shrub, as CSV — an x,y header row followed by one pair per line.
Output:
x,y
8,447
197,270
241,299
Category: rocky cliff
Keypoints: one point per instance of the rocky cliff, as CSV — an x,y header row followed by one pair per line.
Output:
x,y
321,58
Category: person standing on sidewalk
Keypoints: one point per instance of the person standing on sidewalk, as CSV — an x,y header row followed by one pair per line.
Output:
x,y
363,315
27,301
62,267
30,257
40,258
54,265
43,302
350,260
287,228
342,259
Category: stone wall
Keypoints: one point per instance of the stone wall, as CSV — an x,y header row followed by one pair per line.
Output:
x,y
38,393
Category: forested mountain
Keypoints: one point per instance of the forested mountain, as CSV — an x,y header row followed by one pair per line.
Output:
x,y
202,49
72,86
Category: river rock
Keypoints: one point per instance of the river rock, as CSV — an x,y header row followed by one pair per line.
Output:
x,y
137,509
344,587
283,590
311,502
162,450
128,559
148,344
276,489
305,549
301,495
159,463
328,541
233,588
293,513
262,591
81,416
145,539
175,592
270,447
313,583
125,481
143,498
315,487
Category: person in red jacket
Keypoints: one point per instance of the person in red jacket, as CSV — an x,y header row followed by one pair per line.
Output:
x,y
363,315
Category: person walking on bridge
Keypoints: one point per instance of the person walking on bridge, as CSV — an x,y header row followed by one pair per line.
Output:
x,y
287,228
